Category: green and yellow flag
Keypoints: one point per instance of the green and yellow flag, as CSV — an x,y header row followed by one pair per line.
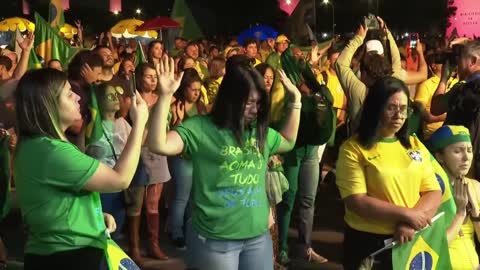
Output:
x,y
448,205
94,129
55,14
181,13
33,61
139,55
49,45
427,251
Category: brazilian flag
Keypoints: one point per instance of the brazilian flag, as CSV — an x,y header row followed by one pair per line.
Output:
x,y
181,13
139,55
448,205
49,45
117,259
313,132
427,251
94,130
55,14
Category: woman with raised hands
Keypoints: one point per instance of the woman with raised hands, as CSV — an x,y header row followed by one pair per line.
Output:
x,y
229,149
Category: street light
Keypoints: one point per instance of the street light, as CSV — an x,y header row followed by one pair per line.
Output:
x,y
326,2
138,11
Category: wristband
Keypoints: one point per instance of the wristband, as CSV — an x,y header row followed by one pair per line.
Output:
x,y
295,105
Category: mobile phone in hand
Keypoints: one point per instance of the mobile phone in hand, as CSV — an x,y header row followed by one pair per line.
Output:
x,y
413,40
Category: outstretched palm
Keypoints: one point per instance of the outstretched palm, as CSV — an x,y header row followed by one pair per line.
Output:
x,y
167,83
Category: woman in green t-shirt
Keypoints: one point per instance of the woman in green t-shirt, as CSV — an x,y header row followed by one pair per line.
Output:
x,y
57,185
229,149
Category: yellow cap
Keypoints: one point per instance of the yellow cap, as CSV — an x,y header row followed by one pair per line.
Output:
x,y
282,38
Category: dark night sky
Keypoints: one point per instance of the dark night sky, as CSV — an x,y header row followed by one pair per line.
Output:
x,y
230,17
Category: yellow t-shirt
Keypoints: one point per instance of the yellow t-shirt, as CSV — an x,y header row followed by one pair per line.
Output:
x,y
336,90
389,172
424,95
463,255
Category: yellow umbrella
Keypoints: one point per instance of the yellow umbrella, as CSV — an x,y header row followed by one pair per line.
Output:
x,y
126,28
68,31
11,24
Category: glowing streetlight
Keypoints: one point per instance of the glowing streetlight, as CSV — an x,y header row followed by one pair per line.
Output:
x,y
325,2
138,11
115,12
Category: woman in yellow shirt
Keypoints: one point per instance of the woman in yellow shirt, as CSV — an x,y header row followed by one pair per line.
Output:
x,y
453,150
385,177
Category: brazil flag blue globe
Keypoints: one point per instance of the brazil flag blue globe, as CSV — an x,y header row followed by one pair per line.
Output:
x,y
427,251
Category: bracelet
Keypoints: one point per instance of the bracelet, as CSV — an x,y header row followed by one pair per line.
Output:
x,y
295,105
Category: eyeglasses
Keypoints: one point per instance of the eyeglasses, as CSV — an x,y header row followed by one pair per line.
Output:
x,y
112,96
403,110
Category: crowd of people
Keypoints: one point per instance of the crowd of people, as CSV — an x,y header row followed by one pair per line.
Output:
x,y
221,122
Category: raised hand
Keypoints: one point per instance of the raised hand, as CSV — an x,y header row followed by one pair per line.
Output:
x,y
362,30
79,25
27,42
289,86
88,74
381,23
138,109
314,55
167,83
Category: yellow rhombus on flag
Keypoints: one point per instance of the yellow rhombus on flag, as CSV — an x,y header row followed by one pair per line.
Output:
x,y
427,251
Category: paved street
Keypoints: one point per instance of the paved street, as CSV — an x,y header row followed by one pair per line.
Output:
x,y
327,237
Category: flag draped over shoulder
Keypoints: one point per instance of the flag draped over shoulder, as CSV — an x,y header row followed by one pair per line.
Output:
x,y
49,44
94,129
181,13
428,250
55,14
448,205
315,132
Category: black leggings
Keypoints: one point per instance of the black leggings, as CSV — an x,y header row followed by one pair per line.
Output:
x,y
78,259
358,245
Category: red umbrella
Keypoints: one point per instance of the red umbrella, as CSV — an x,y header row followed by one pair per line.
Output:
x,y
158,23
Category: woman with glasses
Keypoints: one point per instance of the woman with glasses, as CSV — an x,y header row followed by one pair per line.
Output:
x,y
385,177
110,146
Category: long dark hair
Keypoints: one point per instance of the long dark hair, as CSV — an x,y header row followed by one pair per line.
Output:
x,y
373,110
190,76
150,47
36,103
139,72
233,93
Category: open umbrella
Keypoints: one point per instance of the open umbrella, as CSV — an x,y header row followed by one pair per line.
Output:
x,y
127,29
11,24
68,31
158,23
260,32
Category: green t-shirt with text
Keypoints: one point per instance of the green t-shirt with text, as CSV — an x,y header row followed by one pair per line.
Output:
x,y
229,197
50,175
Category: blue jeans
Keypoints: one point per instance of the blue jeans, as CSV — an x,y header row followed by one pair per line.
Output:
x,y
181,171
302,170
248,254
